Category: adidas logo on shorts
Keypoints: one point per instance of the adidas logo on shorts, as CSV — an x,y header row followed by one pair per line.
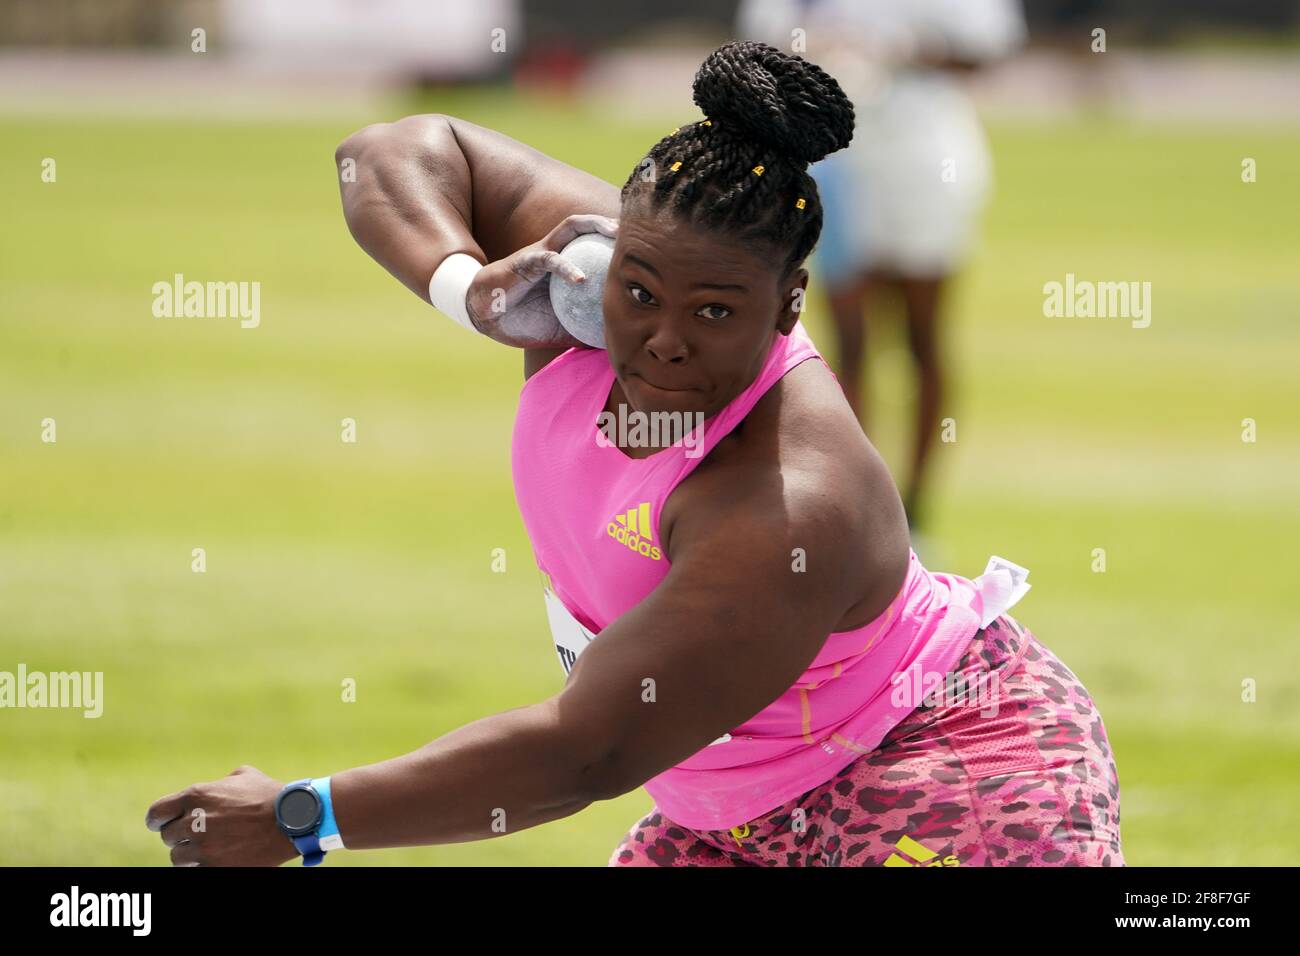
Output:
x,y
924,855
633,528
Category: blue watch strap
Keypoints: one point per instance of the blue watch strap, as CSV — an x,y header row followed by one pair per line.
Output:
x,y
309,845
310,849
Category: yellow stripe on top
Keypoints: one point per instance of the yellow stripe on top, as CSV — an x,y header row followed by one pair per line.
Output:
x,y
850,745
644,522
880,630
805,711
805,705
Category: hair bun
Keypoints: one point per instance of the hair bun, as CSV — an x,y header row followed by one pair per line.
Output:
x,y
757,92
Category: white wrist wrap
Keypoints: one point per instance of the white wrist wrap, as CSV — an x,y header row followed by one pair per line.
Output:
x,y
449,285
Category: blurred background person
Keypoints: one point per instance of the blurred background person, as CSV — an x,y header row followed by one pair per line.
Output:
x,y
901,203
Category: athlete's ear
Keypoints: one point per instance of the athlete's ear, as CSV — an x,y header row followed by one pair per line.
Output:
x,y
793,300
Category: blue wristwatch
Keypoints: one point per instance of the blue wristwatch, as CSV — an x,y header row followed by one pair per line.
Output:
x,y
305,814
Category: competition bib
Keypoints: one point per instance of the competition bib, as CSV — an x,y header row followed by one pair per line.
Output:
x,y
571,638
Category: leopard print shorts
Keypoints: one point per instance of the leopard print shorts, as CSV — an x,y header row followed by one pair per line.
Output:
x,y
954,784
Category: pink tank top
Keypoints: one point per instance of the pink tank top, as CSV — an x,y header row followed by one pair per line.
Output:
x,y
592,515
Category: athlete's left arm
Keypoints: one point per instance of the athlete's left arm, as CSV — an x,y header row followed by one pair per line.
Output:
x,y
729,629
758,580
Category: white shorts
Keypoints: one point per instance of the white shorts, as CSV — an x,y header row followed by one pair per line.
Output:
x,y
906,194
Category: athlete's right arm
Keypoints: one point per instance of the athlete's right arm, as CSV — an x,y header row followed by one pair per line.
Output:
x,y
424,187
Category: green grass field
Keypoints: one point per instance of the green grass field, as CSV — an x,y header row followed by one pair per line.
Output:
x,y
372,560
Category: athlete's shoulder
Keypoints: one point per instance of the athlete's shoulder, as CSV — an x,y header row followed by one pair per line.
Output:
x,y
795,454
753,533
803,423
799,466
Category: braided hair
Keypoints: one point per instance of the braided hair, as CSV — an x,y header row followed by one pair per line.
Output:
x,y
743,170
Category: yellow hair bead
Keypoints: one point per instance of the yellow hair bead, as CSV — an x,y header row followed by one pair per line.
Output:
x,y
800,203
676,166
707,123
758,170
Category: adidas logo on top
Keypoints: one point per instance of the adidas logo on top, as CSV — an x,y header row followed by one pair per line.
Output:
x,y
633,529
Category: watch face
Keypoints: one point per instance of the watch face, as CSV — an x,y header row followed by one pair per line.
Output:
x,y
298,809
